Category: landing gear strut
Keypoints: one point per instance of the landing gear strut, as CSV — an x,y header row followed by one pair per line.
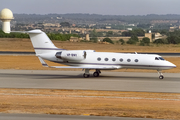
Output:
x,y
160,75
86,74
96,73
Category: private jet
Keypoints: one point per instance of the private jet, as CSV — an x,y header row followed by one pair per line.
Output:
x,y
91,60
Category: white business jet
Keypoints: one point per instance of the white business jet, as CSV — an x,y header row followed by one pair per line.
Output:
x,y
91,60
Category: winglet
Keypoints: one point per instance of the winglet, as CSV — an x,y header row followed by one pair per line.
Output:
x,y
43,62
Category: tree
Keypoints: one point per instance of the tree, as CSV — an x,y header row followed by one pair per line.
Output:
x,y
65,24
138,32
133,40
135,32
94,35
109,34
173,39
108,40
95,39
130,41
126,33
161,41
144,25
122,41
145,41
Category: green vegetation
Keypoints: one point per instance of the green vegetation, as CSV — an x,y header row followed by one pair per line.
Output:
x,y
13,35
174,37
95,39
109,34
108,40
122,41
52,36
145,41
61,37
135,32
160,41
133,40
144,26
65,24
94,35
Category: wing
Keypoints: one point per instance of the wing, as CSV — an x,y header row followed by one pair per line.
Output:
x,y
83,67
89,67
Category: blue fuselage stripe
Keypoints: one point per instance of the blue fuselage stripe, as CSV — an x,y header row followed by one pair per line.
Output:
x,y
48,49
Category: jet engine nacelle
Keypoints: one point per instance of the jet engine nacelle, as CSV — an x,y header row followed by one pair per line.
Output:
x,y
72,55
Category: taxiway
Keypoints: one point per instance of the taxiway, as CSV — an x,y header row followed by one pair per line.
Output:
x,y
62,117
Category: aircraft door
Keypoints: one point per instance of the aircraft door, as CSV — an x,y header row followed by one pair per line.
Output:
x,y
85,54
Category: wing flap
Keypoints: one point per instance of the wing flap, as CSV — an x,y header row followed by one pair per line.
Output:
x,y
90,67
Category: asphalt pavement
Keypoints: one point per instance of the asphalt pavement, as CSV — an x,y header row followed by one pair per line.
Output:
x,y
62,117
113,81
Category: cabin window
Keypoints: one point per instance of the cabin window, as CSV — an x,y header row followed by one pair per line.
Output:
x,y
136,60
99,59
129,60
113,59
106,59
121,60
156,58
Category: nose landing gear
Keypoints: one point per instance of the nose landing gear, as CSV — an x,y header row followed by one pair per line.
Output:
x,y
160,75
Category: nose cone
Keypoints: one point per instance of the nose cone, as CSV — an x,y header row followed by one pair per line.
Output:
x,y
174,66
171,65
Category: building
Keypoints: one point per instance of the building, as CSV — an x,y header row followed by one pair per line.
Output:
x,y
87,37
149,35
6,16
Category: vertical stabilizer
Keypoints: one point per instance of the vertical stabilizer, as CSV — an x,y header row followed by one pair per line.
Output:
x,y
41,42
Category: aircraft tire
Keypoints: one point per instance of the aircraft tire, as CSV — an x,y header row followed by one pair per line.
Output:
x,y
86,75
96,74
161,77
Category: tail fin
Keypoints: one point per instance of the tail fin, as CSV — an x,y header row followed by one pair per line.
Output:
x,y
41,42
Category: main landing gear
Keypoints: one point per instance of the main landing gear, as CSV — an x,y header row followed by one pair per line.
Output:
x,y
96,73
160,75
87,74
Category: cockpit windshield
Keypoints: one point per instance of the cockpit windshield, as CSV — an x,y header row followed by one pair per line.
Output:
x,y
159,58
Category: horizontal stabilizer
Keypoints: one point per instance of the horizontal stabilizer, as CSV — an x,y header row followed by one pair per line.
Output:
x,y
32,31
43,62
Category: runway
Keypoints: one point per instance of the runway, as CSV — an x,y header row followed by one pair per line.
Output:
x,y
115,81
63,117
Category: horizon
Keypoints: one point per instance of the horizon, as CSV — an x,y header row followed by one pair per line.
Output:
x,y
92,14
100,7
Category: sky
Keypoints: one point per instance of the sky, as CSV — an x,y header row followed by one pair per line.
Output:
x,y
104,7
